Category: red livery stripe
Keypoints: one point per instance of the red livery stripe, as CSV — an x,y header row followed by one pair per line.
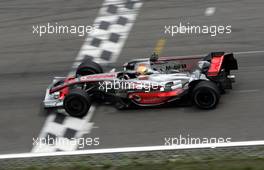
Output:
x,y
154,97
215,66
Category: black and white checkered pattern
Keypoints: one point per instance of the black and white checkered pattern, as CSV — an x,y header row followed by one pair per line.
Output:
x,y
115,20
113,24
65,130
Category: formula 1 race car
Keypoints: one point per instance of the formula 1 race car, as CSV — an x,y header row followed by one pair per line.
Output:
x,y
145,82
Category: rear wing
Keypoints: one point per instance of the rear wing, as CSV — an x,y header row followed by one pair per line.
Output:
x,y
219,61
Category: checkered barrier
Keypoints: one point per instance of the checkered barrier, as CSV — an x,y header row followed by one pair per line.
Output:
x,y
97,158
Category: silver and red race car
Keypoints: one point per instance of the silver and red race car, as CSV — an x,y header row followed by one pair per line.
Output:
x,y
145,82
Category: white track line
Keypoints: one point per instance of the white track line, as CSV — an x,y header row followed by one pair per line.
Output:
x,y
247,91
133,149
249,52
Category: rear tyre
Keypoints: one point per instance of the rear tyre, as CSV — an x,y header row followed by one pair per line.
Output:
x,y
88,67
206,95
77,103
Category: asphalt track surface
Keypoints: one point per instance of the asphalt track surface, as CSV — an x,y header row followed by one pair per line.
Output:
x,y
28,63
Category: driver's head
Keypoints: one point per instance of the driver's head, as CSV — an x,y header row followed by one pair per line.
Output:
x,y
142,69
154,57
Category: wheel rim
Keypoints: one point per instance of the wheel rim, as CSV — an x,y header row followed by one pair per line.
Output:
x,y
75,106
205,98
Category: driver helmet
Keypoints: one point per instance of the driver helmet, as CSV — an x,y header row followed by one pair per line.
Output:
x,y
142,69
154,57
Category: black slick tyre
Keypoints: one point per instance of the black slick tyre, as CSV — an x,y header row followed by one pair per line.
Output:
x,y
206,95
88,67
77,103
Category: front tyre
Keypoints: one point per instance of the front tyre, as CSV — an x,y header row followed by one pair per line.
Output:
x,y
88,67
77,103
206,95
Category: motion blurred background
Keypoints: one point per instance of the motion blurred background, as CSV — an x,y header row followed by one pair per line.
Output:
x,y
28,64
